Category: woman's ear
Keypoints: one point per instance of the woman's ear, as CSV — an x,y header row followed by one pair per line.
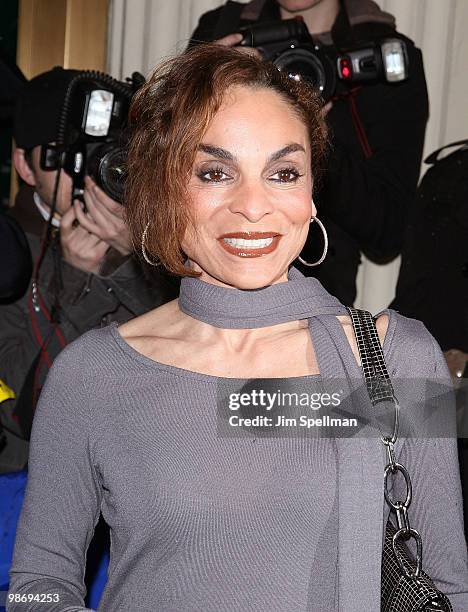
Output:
x,y
22,167
314,209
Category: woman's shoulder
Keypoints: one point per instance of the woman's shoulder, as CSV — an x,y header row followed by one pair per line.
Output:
x,y
410,346
82,374
106,348
91,352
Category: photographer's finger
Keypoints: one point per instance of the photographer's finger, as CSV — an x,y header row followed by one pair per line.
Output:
x,y
85,220
326,108
84,251
82,242
109,226
99,249
66,222
230,40
91,241
74,239
101,201
95,209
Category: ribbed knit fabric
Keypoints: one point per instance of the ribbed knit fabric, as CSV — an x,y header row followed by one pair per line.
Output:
x,y
299,298
198,522
204,522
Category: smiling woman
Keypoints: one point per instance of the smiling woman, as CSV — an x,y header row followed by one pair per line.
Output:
x,y
207,131
233,193
135,420
247,243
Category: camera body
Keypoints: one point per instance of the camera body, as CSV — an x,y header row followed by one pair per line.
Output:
x,y
93,120
289,45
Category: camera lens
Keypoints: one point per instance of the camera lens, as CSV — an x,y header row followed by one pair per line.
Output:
x,y
311,65
112,173
107,166
299,62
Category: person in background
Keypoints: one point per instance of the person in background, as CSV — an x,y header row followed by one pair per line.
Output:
x,y
377,134
86,278
15,256
14,250
434,262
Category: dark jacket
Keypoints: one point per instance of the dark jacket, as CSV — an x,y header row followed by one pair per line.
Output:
x,y
123,291
365,198
16,260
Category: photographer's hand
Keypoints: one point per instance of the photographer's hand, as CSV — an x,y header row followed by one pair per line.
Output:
x,y
231,40
327,108
80,248
105,218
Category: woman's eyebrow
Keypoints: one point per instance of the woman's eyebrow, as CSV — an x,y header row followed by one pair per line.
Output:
x,y
216,152
290,148
224,154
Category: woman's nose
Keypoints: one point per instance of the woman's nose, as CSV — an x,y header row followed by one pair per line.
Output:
x,y
252,201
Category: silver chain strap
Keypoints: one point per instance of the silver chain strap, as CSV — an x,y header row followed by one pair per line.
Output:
x,y
380,388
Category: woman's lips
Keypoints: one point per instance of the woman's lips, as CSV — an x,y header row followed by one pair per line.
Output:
x,y
249,244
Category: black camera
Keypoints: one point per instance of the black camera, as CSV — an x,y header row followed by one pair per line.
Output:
x,y
91,138
289,45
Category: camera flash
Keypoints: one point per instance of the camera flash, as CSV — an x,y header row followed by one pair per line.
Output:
x,y
393,55
98,116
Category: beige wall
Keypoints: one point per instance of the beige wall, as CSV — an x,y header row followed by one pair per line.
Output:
x,y
439,28
68,33
141,32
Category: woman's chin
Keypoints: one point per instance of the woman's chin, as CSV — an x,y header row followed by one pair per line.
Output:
x,y
248,274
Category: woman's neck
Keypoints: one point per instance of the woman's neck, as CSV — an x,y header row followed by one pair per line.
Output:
x,y
318,18
217,329
233,340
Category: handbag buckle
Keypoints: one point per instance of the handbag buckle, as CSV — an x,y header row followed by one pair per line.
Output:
x,y
407,534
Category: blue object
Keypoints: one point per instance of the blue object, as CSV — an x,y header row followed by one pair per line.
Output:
x,y
12,486
12,489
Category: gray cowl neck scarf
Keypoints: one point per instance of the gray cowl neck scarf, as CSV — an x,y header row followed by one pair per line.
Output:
x,y
300,297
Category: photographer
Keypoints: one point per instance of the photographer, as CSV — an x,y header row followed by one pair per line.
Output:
x,y
377,133
84,275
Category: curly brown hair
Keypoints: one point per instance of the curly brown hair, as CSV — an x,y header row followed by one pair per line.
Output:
x,y
168,118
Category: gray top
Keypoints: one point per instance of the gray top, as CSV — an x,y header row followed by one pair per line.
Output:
x,y
201,521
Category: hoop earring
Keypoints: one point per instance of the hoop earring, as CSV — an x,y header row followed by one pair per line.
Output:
x,y
325,249
143,248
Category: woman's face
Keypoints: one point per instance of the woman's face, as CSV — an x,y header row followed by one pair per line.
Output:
x,y
250,191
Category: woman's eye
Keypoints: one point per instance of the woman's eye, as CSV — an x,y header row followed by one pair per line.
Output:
x,y
213,175
286,175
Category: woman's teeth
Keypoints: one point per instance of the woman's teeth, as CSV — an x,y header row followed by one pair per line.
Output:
x,y
242,243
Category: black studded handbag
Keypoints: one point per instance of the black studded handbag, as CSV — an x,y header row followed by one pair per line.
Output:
x,y
405,586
